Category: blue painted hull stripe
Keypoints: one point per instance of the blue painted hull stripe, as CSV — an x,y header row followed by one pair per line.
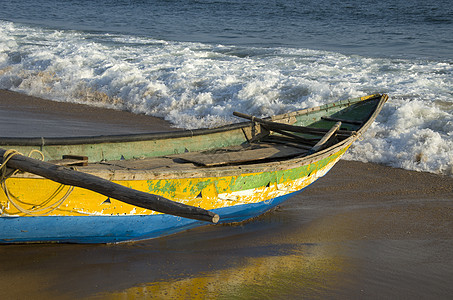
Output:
x,y
113,229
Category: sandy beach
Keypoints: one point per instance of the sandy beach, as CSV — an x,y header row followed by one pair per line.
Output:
x,y
362,231
27,116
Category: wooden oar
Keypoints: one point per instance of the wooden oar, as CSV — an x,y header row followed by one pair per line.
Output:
x,y
105,187
326,138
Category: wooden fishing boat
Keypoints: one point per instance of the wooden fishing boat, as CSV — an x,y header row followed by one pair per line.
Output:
x,y
109,189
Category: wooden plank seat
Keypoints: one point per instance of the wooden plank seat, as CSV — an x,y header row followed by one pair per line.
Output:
x,y
259,152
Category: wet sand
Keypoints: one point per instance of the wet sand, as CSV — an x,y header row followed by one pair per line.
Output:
x,y
26,116
362,231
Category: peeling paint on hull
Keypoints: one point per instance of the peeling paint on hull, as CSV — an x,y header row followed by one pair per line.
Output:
x,y
123,228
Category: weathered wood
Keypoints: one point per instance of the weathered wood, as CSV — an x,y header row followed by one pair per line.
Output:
x,y
244,156
323,141
71,160
300,129
295,137
288,141
110,189
83,160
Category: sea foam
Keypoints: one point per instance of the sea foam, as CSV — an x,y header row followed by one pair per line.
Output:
x,y
197,85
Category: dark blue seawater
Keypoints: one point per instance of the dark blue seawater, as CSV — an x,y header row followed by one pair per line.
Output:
x,y
401,28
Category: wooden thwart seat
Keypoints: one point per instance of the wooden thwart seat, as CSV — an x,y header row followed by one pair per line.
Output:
x,y
263,152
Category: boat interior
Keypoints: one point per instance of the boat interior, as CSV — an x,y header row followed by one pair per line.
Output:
x,y
275,141
257,141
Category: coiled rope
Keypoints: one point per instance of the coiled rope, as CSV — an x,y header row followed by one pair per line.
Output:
x,y
45,207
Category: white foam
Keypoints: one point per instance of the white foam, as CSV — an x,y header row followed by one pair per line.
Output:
x,y
197,85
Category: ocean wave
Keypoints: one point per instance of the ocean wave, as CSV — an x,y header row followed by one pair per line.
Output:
x,y
197,85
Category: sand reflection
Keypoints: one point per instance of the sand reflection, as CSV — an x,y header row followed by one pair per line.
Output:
x,y
304,269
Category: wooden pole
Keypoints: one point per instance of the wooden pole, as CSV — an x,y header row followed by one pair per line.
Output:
x,y
300,129
110,189
325,138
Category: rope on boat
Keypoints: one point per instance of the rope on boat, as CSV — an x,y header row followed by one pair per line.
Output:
x,y
37,209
